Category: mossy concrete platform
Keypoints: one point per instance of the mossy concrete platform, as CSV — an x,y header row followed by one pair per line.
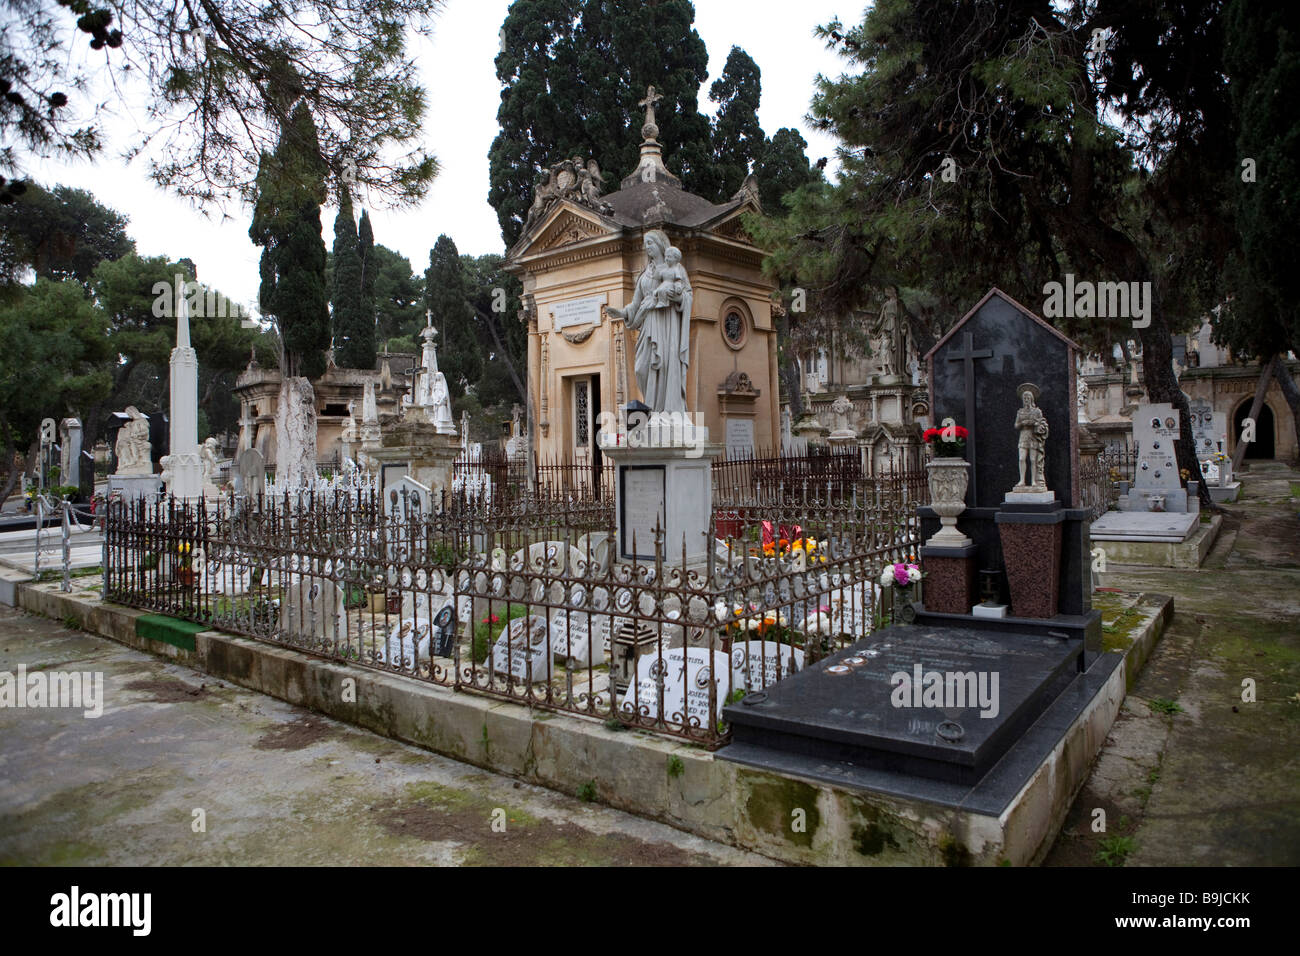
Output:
x,y
782,817
1165,554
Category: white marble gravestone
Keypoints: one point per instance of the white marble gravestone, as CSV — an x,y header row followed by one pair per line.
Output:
x,y
1156,483
312,610
684,676
524,649
405,494
759,664
572,635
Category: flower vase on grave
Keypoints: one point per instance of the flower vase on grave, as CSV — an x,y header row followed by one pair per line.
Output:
x,y
903,611
948,479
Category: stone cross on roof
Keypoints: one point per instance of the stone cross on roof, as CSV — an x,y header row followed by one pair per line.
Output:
x,y
650,130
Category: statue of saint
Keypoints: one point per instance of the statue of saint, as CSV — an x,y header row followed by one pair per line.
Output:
x,y
1032,425
133,448
889,336
660,314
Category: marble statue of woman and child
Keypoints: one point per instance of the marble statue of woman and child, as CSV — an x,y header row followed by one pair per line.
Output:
x,y
660,312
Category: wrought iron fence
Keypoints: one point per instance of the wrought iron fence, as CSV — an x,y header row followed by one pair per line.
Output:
x,y
524,600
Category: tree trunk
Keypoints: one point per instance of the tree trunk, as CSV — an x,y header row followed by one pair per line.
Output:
x,y
1290,393
12,468
1265,372
786,369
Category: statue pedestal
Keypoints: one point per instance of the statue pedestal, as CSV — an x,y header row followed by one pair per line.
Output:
x,y
665,485
135,486
426,453
1031,536
950,578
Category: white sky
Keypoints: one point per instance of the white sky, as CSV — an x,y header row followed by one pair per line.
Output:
x,y
463,94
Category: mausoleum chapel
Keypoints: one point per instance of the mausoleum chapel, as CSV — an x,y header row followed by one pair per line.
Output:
x,y
580,255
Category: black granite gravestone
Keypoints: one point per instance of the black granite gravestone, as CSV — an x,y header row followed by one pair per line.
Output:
x,y
975,371
842,719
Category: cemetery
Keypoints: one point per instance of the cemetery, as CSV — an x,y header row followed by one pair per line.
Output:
x,y
808,506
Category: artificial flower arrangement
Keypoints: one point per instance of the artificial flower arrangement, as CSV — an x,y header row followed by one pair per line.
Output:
x,y
900,574
948,440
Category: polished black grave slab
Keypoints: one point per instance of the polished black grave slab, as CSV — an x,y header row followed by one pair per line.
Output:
x,y
849,709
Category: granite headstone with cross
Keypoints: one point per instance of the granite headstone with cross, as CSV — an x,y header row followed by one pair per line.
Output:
x,y
841,719
977,373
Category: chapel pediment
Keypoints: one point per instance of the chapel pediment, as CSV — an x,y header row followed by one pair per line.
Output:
x,y
566,228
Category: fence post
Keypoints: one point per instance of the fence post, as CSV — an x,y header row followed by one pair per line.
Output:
x,y
67,547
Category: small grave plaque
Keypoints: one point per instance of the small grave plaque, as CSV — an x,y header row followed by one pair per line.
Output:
x,y
740,436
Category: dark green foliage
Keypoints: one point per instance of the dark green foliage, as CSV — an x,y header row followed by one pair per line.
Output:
x,y
446,296
737,141
354,327
366,253
399,294
286,223
1262,56
572,72
54,361
504,340
219,78
61,233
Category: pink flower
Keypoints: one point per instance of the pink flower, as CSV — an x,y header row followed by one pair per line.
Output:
x,y
900,573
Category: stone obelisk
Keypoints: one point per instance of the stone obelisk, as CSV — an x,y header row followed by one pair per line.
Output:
x,y
186,470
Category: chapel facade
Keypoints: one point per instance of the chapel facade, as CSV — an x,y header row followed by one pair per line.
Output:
x,y
580,254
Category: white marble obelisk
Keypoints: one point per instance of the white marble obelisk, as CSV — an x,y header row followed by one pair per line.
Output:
x,y
184,471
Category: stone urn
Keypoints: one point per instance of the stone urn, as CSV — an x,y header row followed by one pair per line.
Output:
x,y
948,480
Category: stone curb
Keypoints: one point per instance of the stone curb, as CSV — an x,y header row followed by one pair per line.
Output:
x,y
783,817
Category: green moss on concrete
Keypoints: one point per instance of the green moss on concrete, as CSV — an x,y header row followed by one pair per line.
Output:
x,y
953,852
873,839
771,806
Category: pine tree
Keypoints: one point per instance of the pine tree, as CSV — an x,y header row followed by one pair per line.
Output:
x,y
446,296
286,224
572,72
354,329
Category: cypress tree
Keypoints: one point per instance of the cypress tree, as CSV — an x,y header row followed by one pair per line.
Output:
x,y
572,72
286,223
354,334
446,295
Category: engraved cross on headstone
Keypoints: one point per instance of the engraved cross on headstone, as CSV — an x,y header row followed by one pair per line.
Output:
x,y
968,355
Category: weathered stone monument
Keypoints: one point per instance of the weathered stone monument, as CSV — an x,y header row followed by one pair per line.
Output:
x,y
133,475
1210,434
183,468
423,442
70,454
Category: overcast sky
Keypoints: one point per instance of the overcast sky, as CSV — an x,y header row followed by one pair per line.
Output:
x,y
463,94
